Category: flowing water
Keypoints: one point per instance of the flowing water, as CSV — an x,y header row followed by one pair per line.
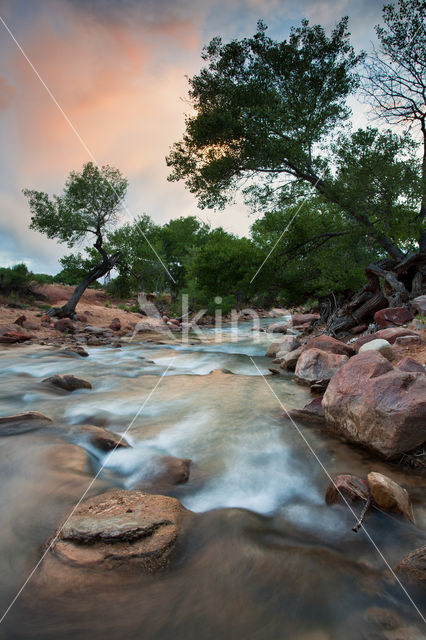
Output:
x,y
265,558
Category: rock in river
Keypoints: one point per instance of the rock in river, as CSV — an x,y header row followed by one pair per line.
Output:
x,y
120,529
67,382
374,404
389,496
315,364
21,422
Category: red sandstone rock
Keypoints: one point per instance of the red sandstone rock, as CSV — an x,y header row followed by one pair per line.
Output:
x,y
311,412
371,403
115,324
346,486
393,316
65,325
411,365
315,364
302,319
390,335
327,343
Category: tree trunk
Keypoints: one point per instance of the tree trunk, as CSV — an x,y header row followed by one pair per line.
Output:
x,y
402,281
68,310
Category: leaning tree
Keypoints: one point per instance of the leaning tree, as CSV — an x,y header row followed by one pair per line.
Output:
x,y
88,208
264,117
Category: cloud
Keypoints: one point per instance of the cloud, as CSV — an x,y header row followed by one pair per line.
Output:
x,y
6,93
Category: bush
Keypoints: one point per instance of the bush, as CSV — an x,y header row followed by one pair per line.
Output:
x,y
15,279
120,287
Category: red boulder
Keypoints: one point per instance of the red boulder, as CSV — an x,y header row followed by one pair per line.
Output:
x,y
393,316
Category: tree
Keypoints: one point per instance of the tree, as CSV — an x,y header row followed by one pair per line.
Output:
x,y
88,207
266,118
395,83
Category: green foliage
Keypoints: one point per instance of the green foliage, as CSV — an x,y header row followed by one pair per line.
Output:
x,y
89,204
14,279
74,268
122,286
262,107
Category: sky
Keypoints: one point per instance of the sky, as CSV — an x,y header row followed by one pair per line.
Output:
x,y
118,70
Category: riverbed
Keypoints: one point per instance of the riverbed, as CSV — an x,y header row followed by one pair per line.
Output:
x,y
266,558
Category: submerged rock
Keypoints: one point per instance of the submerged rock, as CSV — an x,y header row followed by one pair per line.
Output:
x,y
371,403
389,496
120,529
101,438
413,566
74,351
67,382
21,422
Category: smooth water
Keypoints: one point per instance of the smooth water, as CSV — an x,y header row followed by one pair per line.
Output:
x,y
265,558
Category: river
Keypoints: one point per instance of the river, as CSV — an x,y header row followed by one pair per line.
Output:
x,y
265,559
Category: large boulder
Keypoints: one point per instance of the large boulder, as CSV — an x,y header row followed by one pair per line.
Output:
x,y
392,317
381,346
67,382
389,496
315,364
120,529
327,343
390,335
373,404
278,345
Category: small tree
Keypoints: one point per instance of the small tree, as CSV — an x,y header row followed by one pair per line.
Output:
x,y
87,208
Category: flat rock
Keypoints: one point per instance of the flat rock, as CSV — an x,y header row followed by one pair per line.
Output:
x,y
22,422
67,382
315,364
373,404
389,496
119,529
